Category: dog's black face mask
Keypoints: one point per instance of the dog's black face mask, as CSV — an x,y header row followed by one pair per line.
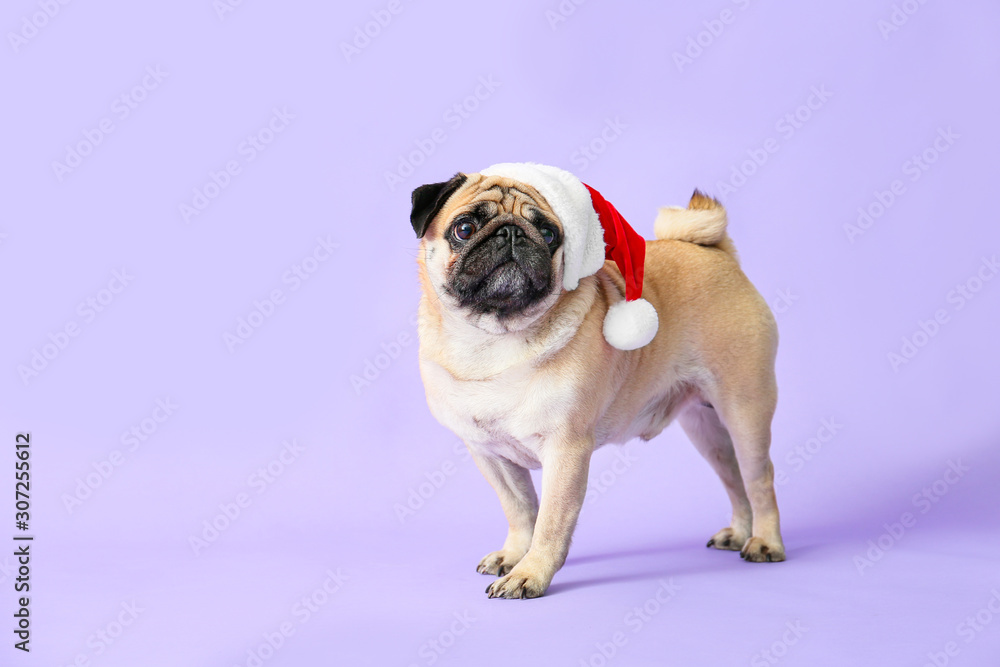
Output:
x,y
503,262
502,247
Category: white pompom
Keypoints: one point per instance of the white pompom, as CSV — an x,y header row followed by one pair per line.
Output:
x,y
630,325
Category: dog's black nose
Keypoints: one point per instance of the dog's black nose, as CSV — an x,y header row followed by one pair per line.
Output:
x,y
513,233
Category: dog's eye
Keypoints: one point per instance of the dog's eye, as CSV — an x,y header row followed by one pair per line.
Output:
x,y
548,234
464,230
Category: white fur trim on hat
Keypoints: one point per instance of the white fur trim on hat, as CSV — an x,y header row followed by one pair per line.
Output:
x,y
630,325
583,236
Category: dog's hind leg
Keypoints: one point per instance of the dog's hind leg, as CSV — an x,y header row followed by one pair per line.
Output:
x,y
701,423
746,411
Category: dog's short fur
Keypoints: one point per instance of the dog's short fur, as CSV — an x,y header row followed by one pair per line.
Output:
x,y
519,368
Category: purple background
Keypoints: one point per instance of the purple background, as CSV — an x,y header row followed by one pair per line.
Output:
x,y
843,305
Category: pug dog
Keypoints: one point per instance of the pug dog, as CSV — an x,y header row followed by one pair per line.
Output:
x,y
520,367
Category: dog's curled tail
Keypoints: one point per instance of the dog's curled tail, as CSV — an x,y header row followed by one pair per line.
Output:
x,y
703,222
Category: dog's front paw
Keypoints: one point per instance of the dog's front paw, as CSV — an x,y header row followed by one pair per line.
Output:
x,y
499,562
522,582
758,550
727,539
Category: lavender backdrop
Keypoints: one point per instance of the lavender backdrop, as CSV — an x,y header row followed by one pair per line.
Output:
x,y
209,290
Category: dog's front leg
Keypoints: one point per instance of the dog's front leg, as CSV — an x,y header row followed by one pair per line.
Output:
x,y
520,505
564,484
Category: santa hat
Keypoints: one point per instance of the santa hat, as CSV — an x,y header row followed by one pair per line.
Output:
x,y
593,231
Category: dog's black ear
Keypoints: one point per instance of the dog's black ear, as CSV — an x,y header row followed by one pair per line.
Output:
x,y
429,199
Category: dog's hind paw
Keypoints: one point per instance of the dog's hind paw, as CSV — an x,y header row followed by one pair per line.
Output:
x,y
727,539
757,550
498,562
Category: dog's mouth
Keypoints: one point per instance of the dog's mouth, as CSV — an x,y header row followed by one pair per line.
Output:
x,y
510,279
501,278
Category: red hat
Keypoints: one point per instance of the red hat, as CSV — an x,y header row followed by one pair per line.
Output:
x,y
594,231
